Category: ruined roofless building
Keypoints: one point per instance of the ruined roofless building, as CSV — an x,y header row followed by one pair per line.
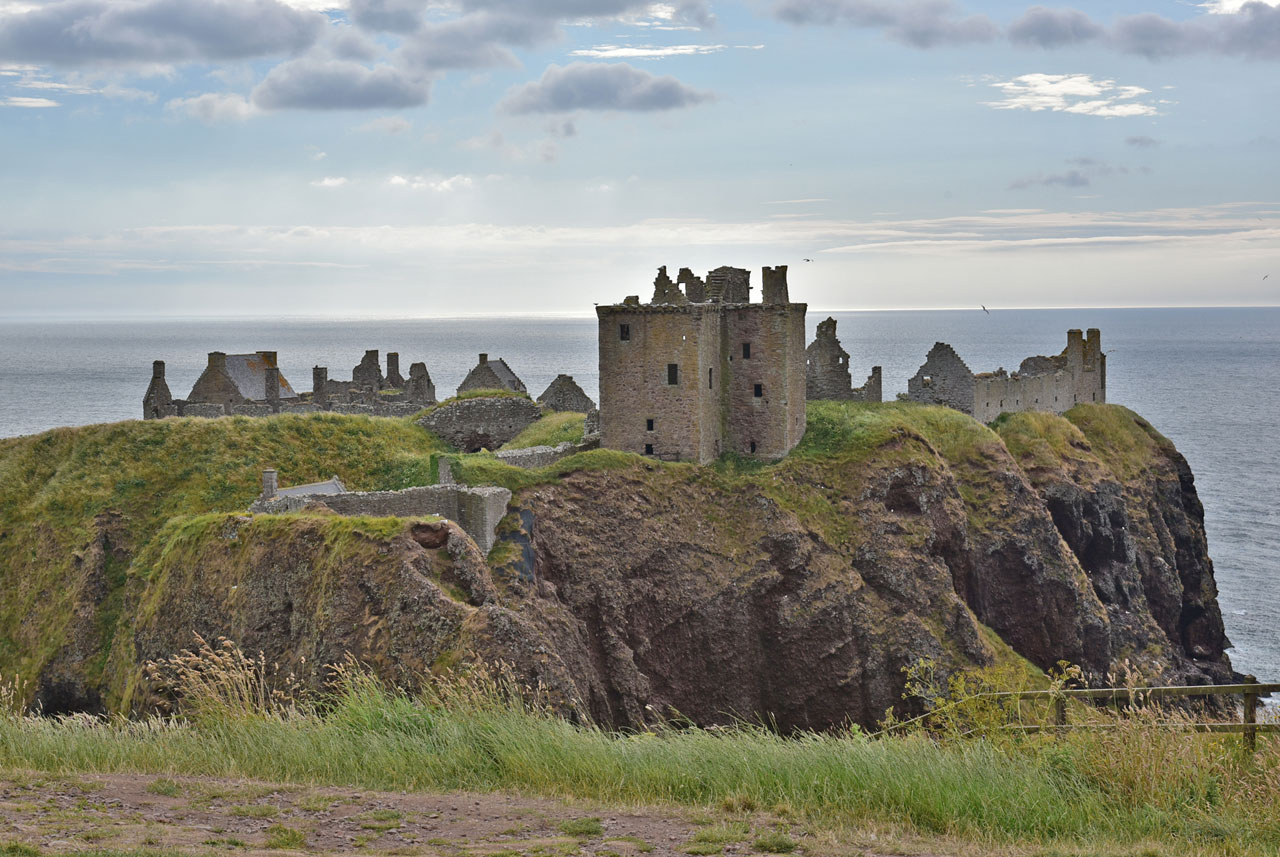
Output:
x,y
686,379
827,370
1077,375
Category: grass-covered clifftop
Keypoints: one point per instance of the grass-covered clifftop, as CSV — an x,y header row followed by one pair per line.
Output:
x,y
78,504
892,532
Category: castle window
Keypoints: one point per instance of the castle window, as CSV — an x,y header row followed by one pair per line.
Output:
x,y
927,380
673,373
759,391
648,449
648,424
624,332
753,446
711,379
746,351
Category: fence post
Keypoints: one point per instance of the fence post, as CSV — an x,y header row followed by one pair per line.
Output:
x,y
1060,711
1250,716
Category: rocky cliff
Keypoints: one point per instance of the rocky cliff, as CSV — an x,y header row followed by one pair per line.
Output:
x,y
630,589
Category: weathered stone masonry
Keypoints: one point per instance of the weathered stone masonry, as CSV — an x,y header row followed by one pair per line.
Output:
x,y
827,370
1077,375
682,379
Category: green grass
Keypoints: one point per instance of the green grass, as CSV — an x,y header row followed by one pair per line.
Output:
x,y
555,427
1088,792
583,828
775,842
56,489
286,838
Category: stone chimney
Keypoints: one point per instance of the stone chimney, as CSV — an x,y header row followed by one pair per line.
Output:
x,y
320,387
157,370
484,358
273,388
218,360
270,483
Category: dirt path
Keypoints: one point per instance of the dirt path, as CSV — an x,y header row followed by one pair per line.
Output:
x,y
205,816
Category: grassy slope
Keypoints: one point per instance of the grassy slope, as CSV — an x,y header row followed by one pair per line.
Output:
x,y
54,485
555,428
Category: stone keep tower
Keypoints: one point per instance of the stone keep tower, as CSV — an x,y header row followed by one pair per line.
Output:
x,y
687,379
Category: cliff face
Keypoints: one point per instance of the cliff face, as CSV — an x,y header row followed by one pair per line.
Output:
x,y
630,589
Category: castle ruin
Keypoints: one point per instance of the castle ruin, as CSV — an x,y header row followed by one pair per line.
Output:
x,y
1058,383
827,373
251,385
700,370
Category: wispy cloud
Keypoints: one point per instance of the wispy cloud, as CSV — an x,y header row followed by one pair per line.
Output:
x,y
1081,173
1072,93
432,183
23,101
646,51
330,182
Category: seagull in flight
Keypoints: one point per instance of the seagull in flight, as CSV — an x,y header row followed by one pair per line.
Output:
x,y
984,309
808,260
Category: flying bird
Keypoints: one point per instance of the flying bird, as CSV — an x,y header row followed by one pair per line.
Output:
x,y
808,260
1264,276
984,309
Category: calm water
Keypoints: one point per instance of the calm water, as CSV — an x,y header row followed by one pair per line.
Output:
x,y
1209,379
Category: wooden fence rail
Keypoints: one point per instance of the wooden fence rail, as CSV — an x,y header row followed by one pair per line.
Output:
x,y
1248,727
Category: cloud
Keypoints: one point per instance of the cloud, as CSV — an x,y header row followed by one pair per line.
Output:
x,y
477,40
1142,141
330,182
432,183
919,23
1054,28
23,101
600,86
1237,28
387,125
1082,173
1072,93
388,16
646,51
213,107
88,32
314,84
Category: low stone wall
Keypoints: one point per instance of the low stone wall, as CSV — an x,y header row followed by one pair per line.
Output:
x,y
484,423
476,510
536,456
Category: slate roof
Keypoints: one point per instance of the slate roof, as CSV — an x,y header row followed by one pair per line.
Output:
x,y
249,372
500,371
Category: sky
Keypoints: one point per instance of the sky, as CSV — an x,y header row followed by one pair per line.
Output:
x,y
416,158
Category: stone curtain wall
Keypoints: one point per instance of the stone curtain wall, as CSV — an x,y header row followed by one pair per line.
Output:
x,y
476,510
483,423
535,456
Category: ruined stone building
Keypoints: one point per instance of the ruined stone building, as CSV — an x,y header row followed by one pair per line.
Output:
x,y
564,394
1077,375
252,385
491,375
827,373
700,370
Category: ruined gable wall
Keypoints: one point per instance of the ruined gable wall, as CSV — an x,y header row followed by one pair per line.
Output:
x,y
944,379
633,379
1077,375
564,394
215,386
827,373
872,390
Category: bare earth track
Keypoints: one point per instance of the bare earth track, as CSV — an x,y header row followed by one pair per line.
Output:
x,y
201,815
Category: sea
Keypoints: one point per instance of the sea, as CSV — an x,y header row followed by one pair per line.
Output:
x,y
1209,379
